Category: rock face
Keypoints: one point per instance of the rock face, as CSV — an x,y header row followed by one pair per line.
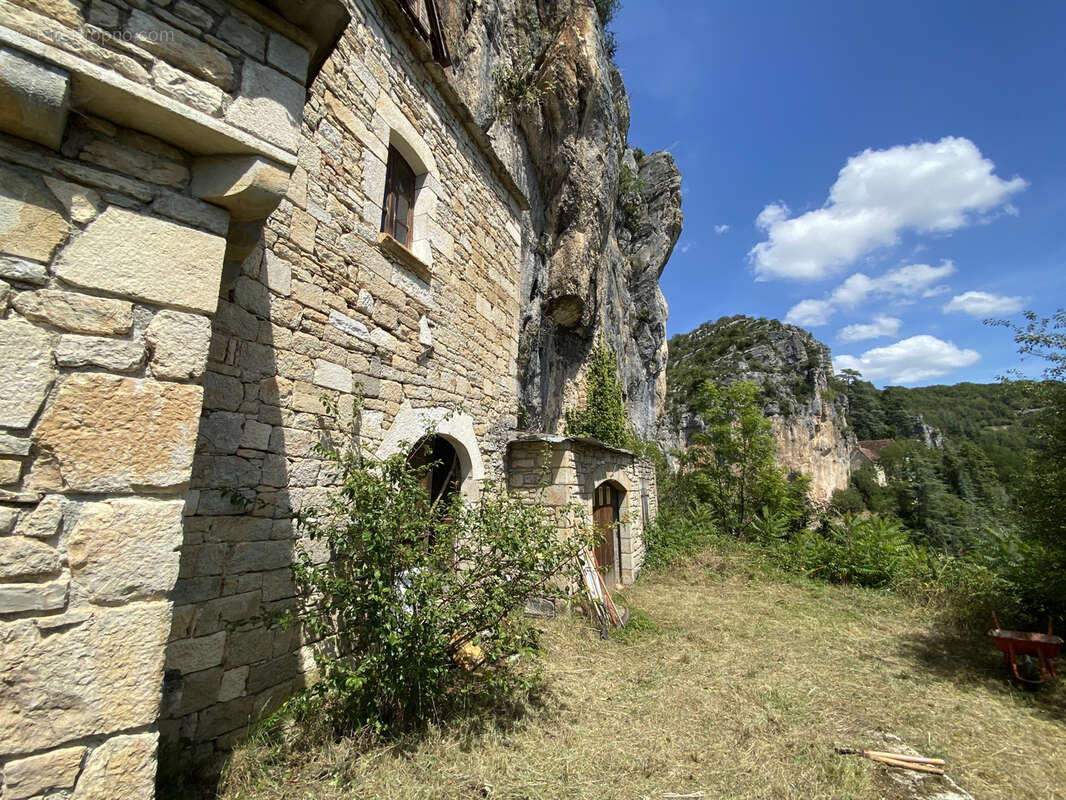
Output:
x,y
794,372
602,223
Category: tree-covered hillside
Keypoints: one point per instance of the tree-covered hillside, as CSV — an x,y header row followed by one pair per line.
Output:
x,y
991,416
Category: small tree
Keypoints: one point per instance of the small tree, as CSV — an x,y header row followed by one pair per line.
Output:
x,y
731,466
400,591
1042,495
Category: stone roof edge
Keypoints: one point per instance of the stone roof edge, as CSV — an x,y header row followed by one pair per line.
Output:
x,y
559,439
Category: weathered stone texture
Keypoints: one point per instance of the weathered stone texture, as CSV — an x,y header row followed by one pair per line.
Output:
x,y
90,679
121,550
18,598
76,312
146,258
179,343
116,434
38,775
34,98
23,557
116,355
180,49
26,353
123,766
31,224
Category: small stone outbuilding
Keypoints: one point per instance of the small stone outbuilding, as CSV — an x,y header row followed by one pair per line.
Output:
x,y
613,487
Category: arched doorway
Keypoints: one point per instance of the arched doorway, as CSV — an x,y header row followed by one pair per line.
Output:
x,y
607,517
443,475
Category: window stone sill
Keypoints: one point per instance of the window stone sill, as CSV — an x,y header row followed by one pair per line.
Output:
x,y
392,247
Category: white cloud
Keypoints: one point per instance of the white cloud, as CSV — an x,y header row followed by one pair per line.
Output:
x,y
909,360
983,304
810,313
881,326
903,284
772,215
924,187
911,281
720,229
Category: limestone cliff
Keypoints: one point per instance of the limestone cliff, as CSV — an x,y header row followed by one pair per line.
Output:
x,y
794,372
539,81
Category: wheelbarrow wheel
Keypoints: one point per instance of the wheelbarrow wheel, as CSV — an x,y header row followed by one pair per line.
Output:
x,y
1029,671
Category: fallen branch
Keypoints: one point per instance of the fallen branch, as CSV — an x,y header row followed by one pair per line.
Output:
x,y
900,760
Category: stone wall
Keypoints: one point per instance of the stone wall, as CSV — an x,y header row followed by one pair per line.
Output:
x,y
99,406
327,307
560,472
129,175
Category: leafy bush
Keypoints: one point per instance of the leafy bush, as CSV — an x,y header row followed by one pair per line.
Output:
x,y
399,593
868,551
730,467
672,536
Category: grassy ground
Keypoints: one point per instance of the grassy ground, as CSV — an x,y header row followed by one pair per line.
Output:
x,y
744,690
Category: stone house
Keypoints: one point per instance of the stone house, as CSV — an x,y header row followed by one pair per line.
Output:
x,y
213,214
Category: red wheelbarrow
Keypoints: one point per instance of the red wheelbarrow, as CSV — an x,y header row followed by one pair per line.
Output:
x,y
1039,648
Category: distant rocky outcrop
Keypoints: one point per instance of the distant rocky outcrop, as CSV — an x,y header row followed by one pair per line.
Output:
x,y
794,373
602,222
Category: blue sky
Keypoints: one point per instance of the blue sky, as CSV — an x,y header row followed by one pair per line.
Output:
x,y
890,173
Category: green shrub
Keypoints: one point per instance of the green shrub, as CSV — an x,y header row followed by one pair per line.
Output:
x,y
868,551
398,593
848,501
604,415
630,196
519,88
671,536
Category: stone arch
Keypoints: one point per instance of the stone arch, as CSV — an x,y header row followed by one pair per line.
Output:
x,y
411,425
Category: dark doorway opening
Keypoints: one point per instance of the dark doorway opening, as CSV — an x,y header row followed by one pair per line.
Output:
x,y
606,516
443,474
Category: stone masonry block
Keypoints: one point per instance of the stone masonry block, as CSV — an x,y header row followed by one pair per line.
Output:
x,y
117,355
123,766
270,105
79,313
179,343
23,557
113,434
192,655
18,598
126,549
48,695
25,352
146,258
38,775
180,49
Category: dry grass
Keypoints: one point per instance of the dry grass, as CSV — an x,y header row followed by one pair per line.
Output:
x,y
743,692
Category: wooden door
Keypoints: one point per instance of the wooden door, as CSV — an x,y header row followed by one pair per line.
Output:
x,y
605,505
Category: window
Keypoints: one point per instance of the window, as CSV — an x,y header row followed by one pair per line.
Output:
x,y
398,210
426,19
